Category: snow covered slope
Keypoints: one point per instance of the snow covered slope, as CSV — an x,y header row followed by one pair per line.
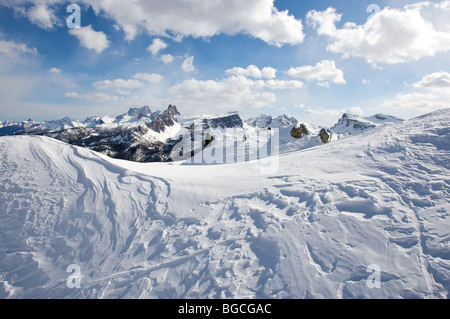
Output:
x,y
311,229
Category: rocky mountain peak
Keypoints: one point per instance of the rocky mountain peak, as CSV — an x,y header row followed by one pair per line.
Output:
x,y
265,121
139,113
164,119
228,121
354,124
172,111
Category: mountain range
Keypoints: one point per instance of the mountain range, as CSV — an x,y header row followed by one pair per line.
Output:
x,y
141,135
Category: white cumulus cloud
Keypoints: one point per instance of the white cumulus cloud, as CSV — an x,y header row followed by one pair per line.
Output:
x,y
181,18
156,46
125,87
148,77
167,58
253,72
323,72
188,64
203,18
231,92
13,49
436,80
55,71
42,16
389,36
38,12
283,84
235,92
418,102
91,39
427,95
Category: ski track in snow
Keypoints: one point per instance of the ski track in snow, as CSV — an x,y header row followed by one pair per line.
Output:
x,y
227,231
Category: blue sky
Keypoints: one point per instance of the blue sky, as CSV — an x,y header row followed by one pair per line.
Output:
x,y
311,59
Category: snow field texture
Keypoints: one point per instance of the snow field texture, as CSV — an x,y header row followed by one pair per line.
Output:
x,y
169,230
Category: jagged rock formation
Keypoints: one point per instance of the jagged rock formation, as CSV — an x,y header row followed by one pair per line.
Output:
x,y
223,122
140,112
299,131
325,136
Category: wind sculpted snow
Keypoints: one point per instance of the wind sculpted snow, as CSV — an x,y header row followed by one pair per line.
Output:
x,y
312,229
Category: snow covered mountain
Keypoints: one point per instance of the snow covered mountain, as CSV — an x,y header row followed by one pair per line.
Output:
x,y
264,121
135,117
353,124
138,135
141,135
325,223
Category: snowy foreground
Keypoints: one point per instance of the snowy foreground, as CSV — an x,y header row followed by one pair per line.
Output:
x,y
314,227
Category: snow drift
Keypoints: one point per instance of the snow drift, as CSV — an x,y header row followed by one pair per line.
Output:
x,y
314,229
